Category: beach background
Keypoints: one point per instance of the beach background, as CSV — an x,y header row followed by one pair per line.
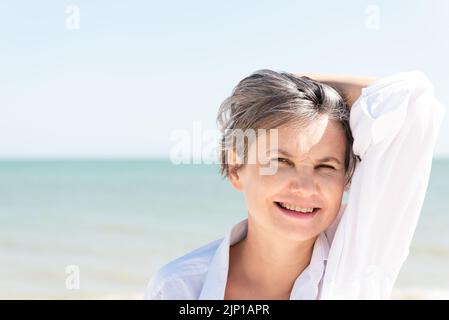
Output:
x,y
92,93
119,221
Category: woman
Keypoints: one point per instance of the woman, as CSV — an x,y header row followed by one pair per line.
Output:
x,y
300,241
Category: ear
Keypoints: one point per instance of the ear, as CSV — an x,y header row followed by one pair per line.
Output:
x,y
234,175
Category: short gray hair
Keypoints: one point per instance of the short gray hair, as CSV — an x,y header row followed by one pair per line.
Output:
x,y
267,99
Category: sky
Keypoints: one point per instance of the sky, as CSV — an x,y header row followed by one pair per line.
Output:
x,y
115,79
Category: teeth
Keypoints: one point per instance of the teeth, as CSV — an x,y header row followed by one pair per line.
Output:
x,y
295,208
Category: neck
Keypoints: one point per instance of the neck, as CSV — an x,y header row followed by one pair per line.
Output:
x,y
268,262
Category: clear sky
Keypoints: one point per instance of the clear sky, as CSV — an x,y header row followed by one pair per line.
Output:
x,y
134,71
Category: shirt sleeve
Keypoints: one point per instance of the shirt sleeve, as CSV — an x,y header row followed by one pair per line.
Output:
x,y
154,289
395,123
166,285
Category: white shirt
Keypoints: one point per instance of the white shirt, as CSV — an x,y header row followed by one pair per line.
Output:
x,y
394,123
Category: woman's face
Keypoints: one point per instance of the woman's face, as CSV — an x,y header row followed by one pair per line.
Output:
x,y
303,179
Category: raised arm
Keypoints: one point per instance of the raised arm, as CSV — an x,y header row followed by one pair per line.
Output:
x,y
395,123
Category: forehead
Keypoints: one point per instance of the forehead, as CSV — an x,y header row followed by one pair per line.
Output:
x,y
321,137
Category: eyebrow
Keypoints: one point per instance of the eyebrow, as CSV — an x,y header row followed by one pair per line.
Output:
x,y
325,159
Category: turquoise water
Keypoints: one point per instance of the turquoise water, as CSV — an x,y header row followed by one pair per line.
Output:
x,y
119,221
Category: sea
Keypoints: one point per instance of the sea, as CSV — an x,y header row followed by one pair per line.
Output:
x,y
99,229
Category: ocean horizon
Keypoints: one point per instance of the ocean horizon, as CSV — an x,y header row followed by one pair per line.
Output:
x,y
119,221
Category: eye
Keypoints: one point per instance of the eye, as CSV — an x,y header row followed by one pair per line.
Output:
x,y
326,166
283,160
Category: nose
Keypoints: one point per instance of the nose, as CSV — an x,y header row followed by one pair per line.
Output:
x,y
303,183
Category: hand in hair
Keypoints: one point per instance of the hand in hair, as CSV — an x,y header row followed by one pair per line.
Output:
x,y
349,87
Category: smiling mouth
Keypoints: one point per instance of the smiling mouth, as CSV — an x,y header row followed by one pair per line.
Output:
x,y
295,209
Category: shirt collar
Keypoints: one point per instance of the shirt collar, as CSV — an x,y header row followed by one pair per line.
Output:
x,y
306,286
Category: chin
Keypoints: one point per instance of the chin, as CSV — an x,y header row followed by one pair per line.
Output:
x,y
297,232
302,235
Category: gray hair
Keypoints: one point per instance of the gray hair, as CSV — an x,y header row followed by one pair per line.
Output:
x,y
268,99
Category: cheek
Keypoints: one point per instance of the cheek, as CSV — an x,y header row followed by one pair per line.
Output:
x,y
333,191
333,181
260,189
255,186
